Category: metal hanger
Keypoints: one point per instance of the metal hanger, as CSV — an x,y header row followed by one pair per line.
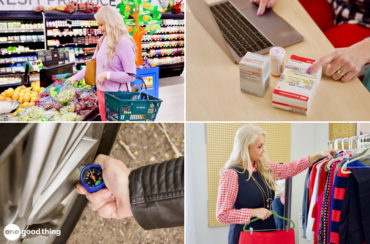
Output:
x,y
273,213
361,144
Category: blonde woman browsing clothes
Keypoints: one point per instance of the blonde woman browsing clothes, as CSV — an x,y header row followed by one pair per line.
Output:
x,y
247,184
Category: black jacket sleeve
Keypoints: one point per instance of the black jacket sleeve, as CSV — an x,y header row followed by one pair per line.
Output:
x,y
157,194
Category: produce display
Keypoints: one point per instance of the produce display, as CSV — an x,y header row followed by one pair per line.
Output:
x,y
61,101
26,96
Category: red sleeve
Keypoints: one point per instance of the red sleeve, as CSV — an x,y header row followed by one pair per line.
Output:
x,y
286,170
227,193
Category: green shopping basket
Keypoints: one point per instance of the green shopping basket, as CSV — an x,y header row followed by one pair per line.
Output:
x,y
132,106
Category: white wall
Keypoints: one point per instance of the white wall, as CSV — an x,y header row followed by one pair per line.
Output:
x,y
306,138
196,190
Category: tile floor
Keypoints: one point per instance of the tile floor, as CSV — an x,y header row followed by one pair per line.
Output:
x,y
171,91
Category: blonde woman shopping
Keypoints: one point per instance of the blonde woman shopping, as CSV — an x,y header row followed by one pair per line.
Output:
x,y
247,183
115,59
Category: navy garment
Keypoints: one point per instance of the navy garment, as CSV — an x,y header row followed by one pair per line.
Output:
x,y
305,206
354,224
278,207
249,196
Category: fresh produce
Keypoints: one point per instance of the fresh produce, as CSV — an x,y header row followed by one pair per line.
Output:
x,y
26,96
65,95
67,109
61,102
31,114
81,84
40,114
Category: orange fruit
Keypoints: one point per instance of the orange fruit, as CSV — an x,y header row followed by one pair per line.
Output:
x,y
37,88
23,87
130,29
25,104
9,92
34,98
128,8
31,104
26,98
15,96
2,98
153,27
146,17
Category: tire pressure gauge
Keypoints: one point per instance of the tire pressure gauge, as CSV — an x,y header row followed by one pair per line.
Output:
x,y
91,178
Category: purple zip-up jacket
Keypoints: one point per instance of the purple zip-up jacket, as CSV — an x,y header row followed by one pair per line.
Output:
x,y
123,63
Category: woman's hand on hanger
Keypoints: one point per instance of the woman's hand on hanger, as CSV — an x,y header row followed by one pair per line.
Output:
x,y
261,213
326,153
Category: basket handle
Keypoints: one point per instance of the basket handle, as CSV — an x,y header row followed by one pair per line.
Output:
x,y
138,77
274,213
143,82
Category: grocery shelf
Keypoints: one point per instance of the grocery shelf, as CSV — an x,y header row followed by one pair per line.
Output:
x,y
71,35
72,44
12,42
22,31
70,27
10,84
25,52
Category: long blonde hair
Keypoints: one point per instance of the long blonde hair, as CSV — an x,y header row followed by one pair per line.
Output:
x,y
239,156
115,27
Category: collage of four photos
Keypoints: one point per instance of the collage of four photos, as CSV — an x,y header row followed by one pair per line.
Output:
x,y
185,121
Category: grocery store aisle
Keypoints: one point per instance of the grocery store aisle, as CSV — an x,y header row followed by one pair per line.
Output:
x,y
171,91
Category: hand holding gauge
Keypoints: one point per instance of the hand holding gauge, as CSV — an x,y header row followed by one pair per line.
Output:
x,y
91,178
106,185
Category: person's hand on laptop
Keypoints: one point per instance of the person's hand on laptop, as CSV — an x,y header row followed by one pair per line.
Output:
x,y
343,63
263,4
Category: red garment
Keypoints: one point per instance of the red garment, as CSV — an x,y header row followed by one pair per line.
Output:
x,y
331,183
228,190
320,11
311,182
101,103
342,35
316,213
345,35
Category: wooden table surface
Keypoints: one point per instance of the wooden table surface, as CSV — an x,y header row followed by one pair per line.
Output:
x,y
213,85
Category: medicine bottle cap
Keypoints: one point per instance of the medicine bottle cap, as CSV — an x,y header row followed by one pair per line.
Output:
x,y
277,52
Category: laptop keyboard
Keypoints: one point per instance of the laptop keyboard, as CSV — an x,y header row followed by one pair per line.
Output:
x,y
238,32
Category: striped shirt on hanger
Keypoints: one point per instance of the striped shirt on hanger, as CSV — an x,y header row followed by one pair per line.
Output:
x,y
351,11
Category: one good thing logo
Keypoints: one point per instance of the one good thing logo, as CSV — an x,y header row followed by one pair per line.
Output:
x,y
12,232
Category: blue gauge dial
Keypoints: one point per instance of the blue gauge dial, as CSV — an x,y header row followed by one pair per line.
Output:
x,y
91,178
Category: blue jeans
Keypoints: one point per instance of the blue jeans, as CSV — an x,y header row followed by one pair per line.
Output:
x,y
278,207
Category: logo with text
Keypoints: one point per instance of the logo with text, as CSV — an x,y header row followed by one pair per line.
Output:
x,y
12,232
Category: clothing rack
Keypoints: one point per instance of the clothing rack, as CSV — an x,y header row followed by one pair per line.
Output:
x,y
354,142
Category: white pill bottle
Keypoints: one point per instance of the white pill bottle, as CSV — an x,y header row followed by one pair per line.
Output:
x,y
277,55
